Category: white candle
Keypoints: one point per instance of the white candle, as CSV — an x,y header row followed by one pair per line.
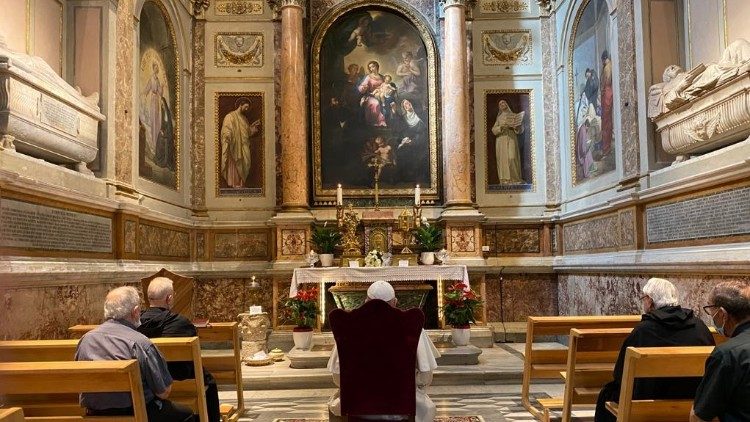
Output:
x,y
416,195
339,195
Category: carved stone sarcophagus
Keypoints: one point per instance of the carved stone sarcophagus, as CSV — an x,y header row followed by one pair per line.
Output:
x,y
44,117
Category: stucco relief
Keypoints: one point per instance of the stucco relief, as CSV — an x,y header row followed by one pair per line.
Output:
x,y
502,47
293,242
162,242
238,7
628,96
124,89
253,245
504,6
239,49
462,239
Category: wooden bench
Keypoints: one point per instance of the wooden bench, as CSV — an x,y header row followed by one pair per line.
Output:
x,y
34,382
225,367
175,349
657,362
548,364
11,414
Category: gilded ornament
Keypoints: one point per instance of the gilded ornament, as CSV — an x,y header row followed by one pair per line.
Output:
x,y
239,49
239,7
504,6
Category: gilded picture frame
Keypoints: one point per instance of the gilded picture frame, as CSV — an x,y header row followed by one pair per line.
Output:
x,y
354,171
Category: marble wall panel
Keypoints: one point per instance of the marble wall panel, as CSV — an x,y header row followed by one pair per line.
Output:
x,y
509,297
124,89
463,239
47,312
525,240
615,231
198,149
551,123
156,241
609,294
222,299
628,95
242,244
130,236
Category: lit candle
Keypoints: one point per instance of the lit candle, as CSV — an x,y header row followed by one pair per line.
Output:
x,y
416,195
339,195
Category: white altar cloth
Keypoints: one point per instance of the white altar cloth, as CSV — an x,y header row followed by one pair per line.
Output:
x,y
372,274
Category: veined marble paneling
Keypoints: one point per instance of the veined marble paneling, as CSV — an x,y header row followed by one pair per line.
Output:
x,y
508,297
609,294
157,241
198,149
610,232
249,244
551,123
222,299
513,240
631,161
124,89
47,312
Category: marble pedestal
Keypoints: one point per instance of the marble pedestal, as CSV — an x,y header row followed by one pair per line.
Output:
x,y
458,355
254,331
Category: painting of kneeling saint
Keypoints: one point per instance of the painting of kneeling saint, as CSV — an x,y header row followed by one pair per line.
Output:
x,y
510,165
239,144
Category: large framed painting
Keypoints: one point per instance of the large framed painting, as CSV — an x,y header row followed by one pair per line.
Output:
x,y
239,144
158,98
591,93
509,129
374,96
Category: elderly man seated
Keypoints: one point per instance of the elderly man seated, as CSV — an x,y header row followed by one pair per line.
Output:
x,y
664,323
426,355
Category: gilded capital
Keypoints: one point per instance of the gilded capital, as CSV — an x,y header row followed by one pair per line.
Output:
x,y
546,5
199,7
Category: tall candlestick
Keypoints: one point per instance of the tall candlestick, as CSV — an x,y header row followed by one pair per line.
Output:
x,y
417,193
339,195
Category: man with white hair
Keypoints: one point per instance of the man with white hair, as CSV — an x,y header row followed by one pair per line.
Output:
x,y
159,321
117,339
664,323
426,354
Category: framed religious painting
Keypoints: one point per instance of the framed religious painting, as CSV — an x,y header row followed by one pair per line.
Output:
x,y
158,98
374,104
239,143
509,131
591,82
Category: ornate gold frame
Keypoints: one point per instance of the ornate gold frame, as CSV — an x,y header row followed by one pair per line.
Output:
x,y
177,93
217,158
509,31
258,34
320,194
532,140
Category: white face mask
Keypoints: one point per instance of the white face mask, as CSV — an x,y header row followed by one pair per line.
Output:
x,y
719,330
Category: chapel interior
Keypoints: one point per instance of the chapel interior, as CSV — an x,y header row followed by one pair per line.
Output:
x,y
567,151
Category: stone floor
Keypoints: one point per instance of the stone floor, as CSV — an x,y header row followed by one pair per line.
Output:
x,y
491,389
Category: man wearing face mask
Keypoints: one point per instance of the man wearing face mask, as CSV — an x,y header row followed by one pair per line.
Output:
x,y
724,392
117,339
664,323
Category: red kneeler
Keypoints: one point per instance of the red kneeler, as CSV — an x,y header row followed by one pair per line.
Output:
x,y
377,346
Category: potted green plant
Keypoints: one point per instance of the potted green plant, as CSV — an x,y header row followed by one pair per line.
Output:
x,y
460,304
429,237
326,238
303,310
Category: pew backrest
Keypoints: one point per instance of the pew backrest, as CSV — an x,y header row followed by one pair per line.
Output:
x,y
11,414
29,379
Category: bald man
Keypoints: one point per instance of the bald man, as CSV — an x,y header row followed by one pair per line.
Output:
x,y
426,363
160,321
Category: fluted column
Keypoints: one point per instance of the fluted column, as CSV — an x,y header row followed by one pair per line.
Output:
x,y
293,113
456,107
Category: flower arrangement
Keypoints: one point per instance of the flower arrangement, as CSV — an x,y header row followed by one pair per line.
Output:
x,y
460,305
374,259
303,308
325,238
428,236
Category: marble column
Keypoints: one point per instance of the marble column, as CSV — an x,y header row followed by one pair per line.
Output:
x,y
455,92
294,113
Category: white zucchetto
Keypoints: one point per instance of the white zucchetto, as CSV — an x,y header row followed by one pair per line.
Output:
x,y
381,290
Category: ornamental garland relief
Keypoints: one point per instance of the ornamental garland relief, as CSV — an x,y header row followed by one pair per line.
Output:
x,y
238,7
234,49
504,6
506,47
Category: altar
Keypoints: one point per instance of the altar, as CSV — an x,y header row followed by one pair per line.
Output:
x,y
416,286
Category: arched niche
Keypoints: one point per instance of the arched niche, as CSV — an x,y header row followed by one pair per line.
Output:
x,y
358,119
158,97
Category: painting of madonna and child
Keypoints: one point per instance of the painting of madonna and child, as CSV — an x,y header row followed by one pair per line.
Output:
x,y
374,106
592,97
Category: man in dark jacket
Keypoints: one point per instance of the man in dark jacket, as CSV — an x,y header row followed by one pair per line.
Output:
x,y
158,321
664,323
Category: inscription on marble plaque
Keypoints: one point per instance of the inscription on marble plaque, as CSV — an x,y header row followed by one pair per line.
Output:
x,y
31,226
716,215
59,116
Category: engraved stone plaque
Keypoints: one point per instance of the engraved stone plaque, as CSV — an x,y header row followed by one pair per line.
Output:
x,y
58,115
719,214
32,226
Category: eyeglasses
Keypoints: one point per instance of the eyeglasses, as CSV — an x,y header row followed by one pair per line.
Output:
x,y
707,309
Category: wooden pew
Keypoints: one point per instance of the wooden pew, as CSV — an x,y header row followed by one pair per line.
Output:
x,y
658,362
175,349
40,379
547,364
225,367
11,414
